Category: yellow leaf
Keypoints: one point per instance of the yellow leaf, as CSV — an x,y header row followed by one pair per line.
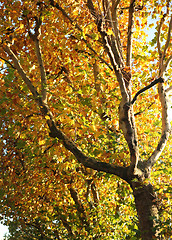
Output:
x,y
109,31
21,26
41,142
47,117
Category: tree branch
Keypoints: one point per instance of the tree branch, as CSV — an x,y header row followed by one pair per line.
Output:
x,y
21,71
7,62
115,25
146,88
95,194
66,224
80,208
112,50
166,131
168,89
168,37
126,116
158,37
165,124
138,113
161,55
167,63
82,158
42,70
56,132
161,145
35,37
130,26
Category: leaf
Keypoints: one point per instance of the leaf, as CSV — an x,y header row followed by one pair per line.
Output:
x,y
110,31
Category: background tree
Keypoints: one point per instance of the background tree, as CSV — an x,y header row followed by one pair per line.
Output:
x,y
84,119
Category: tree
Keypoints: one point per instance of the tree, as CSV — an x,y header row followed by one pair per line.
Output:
x,y
70,71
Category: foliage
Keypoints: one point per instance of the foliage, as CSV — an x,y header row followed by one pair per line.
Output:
x,y
45,192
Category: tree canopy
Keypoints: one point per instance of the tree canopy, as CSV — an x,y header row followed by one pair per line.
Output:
x,y
85,130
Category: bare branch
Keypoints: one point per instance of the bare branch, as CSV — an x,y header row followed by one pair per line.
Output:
x,y
158,37
21,71
146,88
80,208
161,54
168,37
162,95
167,63
126,116
166,131
56,132
95,193
105,38
115,4
130,26
112,50
106,9
35,38
65,223
138,113
115,39
127,124
168,89
5,60
82,158
114,23
42,71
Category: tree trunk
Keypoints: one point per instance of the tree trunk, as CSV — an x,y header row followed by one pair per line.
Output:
x,y
147,210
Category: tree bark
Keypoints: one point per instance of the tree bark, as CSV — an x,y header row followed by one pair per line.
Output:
x,y
147,210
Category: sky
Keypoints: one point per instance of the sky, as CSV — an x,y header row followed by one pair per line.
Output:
x,y
3,230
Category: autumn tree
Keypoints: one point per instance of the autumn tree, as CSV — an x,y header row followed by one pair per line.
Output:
x,y
85,131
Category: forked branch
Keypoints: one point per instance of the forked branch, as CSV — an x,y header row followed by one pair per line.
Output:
x,y
82,158
55,132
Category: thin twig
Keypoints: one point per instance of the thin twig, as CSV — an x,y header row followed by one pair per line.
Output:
x,y
5,60
138,113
